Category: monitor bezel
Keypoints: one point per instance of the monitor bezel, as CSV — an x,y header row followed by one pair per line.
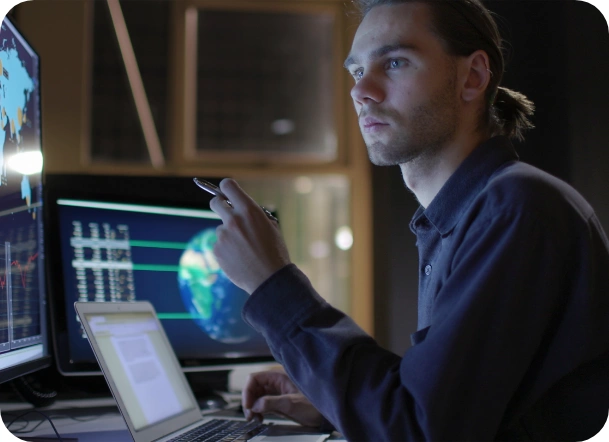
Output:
x,y
46,360
167,191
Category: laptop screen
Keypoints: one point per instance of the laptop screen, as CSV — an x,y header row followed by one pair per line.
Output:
x,y
140,363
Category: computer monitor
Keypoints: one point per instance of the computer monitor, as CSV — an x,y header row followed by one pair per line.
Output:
x,y
144,238
23,309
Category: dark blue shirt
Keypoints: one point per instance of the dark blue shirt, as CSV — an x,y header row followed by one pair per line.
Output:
x,y
513,339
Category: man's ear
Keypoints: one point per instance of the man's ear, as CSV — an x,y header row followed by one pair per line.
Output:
x,y
477,76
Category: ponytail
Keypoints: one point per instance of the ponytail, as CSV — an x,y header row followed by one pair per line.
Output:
x,y
511,111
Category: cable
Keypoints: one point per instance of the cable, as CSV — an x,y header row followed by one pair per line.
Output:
x,y
22,430
25,424
30,393
39,412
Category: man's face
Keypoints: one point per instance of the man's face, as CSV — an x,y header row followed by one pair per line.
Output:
x,y
405,94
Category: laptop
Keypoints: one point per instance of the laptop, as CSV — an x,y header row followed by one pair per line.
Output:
x,y
149,387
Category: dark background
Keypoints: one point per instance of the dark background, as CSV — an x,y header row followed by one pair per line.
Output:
x,y
558,56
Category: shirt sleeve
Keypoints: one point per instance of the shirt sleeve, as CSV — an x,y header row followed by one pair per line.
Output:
x,y
489,321
333,362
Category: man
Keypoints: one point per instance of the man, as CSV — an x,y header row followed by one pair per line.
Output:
x,y
513,339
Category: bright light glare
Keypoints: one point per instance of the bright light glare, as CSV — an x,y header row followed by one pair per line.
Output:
x,y
344,238
26,163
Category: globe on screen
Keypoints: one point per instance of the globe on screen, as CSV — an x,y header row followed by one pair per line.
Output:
x,y
214,302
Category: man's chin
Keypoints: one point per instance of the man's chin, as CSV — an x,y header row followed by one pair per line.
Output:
x,y
382,155
379,160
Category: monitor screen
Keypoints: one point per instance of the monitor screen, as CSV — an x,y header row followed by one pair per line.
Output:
x,y
118,248
23,324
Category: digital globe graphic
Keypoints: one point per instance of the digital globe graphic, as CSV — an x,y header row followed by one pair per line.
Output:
x,y
209,296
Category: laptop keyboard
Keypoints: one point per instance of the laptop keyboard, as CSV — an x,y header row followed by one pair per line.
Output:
x,y
224,430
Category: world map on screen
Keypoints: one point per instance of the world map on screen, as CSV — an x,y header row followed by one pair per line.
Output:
x,y
17,87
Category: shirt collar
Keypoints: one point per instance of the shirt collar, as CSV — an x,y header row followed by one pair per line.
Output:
x,y
464,184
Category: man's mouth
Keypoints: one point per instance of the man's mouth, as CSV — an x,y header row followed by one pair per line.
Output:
x,y
370,125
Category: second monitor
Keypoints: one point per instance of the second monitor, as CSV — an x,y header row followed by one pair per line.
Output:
x,y
128,246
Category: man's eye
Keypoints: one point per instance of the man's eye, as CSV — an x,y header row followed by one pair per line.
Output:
x,y
357,75
395,63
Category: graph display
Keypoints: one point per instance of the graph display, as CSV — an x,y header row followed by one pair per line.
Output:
x,y
25,303
22,292
4,288
20,286
126,252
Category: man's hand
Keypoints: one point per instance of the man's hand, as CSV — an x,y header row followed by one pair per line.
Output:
x,y
274,392
249,247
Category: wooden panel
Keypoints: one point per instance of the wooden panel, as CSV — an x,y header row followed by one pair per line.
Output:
x,y
59,31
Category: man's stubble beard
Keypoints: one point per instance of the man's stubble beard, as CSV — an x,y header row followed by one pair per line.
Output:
x,y
428,130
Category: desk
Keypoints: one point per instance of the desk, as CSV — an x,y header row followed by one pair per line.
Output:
x,y
88,420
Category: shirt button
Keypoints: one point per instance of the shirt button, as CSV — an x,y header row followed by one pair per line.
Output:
x,y
427,269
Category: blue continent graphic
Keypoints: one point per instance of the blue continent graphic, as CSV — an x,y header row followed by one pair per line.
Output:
x,y
26,190
213,300
16,87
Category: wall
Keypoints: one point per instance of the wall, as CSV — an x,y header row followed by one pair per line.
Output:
x,y
588,97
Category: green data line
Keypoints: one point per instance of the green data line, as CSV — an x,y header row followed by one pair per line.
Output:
x,y
156,267
159,244
178,316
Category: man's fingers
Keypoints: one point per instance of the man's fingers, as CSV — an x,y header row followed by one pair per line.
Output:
x,y
254,388
273,392
271,382
249,415
221,207
294,406
235,194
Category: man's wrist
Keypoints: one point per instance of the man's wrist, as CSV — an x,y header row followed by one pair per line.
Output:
x,y
261,285
281,300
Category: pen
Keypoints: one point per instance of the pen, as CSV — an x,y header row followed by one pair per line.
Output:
x,y
215,191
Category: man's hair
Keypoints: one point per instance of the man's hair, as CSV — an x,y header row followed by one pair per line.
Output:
x,y
465,26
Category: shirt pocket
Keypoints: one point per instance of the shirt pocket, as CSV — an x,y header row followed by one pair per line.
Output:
x,y
419,336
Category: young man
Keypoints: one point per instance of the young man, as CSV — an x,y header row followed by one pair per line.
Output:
x,y
513,339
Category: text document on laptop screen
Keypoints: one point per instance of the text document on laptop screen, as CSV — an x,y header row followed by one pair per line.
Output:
x,y
140,364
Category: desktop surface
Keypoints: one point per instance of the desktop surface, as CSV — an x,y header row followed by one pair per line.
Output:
x,y
98,420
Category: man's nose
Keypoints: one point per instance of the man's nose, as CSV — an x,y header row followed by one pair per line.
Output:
x,y
367,89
